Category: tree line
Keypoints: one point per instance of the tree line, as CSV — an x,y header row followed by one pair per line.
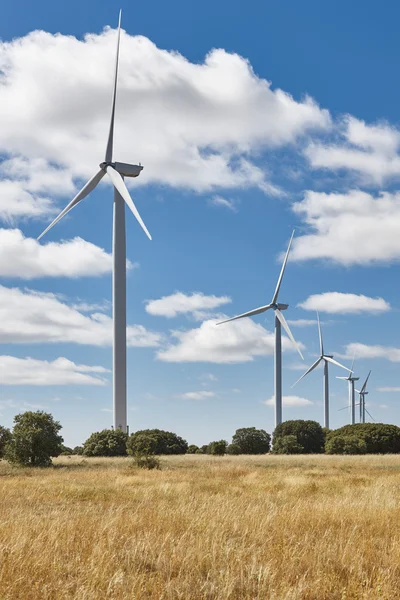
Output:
x,y
35,439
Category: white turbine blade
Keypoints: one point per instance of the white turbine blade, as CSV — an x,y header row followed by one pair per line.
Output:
x,y
321,343
250,313
352,364
286,328
344,378
365,383
278,285
89,187
120,186
109,150
308,371
335,362
370,415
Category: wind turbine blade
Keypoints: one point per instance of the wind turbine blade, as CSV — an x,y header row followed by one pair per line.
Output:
x,y
344,378
120,186
308,371
321,343
89,187
352,364
370,415
344,408
365,383
278,285
109,150
335,362
286,328
250,313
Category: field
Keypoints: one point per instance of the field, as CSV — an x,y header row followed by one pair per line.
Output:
x,y
283,528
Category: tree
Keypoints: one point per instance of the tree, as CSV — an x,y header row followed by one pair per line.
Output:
x,y
233,449
78,450
5,438
35,439
346,444
192,449
166,441
379,438
308,434
217,448
65,450
108,442
252,441
204,449
288,444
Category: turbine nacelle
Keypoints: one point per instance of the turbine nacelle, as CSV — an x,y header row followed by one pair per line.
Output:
x,y
124,169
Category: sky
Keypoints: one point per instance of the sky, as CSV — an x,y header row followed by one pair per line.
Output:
x,y
250,121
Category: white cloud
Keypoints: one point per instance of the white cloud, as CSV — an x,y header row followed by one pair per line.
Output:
x,y
302,322
27,316
289,401
364,351
351,228
239,341
208,377
219,201
29,371
179,303
388,389
55,107
26,258
340,303
202,395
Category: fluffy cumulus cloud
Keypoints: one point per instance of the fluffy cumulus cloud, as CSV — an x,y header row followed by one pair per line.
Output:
x,y
26,258
28,316
339,303
358,350
196,304
371,152
236,342
289,401
201,395
192,125
352,228
29,371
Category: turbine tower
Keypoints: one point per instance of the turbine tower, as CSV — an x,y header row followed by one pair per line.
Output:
x,y
116,171
352,403
326,358
362,393
279,321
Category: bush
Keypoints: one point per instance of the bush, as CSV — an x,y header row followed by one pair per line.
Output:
x,y
346,444
379,438
309,435
252,441
78,450
233,449
204,449
5,438
217,448
192,449
65,450
144,450
35,440
166,441
109,442
287,444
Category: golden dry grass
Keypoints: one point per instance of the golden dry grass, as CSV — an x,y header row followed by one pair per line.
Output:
x,y
282,528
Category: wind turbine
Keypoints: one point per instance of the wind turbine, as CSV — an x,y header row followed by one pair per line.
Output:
x,y
326,358
116,171
279,320
352,403
363,392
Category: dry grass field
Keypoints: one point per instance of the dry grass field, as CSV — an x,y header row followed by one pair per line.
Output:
x,y
282,528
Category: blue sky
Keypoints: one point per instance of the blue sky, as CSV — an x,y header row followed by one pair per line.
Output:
x,y
291,122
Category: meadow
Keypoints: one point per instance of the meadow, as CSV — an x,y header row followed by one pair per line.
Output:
x,y
248,528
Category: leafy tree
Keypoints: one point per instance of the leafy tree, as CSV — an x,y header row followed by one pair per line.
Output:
x,y
288,444
233,449
78,450
65,450
252,441
346,444
379,438
35,439
109,442
217,448
144,450
166,441
192,449
204,449
5,438
308,434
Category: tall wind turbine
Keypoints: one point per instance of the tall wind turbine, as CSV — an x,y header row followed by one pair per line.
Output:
x,y
116,171
326,358
362,393
279,320
352,402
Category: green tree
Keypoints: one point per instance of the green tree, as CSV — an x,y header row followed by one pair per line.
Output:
x,y
287,444
192,449
252,441
166,441
35,439
217,448
309,435
5,438
346,444
233,449
108,442
204,449
379,438
78,450
144,450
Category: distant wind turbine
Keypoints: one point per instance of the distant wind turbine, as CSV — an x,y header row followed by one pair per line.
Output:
x,y
362,393
279,320
352,402
116,171
326,358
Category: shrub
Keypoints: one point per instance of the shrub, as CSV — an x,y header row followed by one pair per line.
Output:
x,y
346,444
287,444
252,441
166,441
35,439
217,448
109,442
308,434
204,449
233,449
5,438
144,450
379,438
78,450
192,449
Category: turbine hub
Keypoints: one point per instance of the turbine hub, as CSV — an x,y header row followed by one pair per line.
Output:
x,y
124,169
280,306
